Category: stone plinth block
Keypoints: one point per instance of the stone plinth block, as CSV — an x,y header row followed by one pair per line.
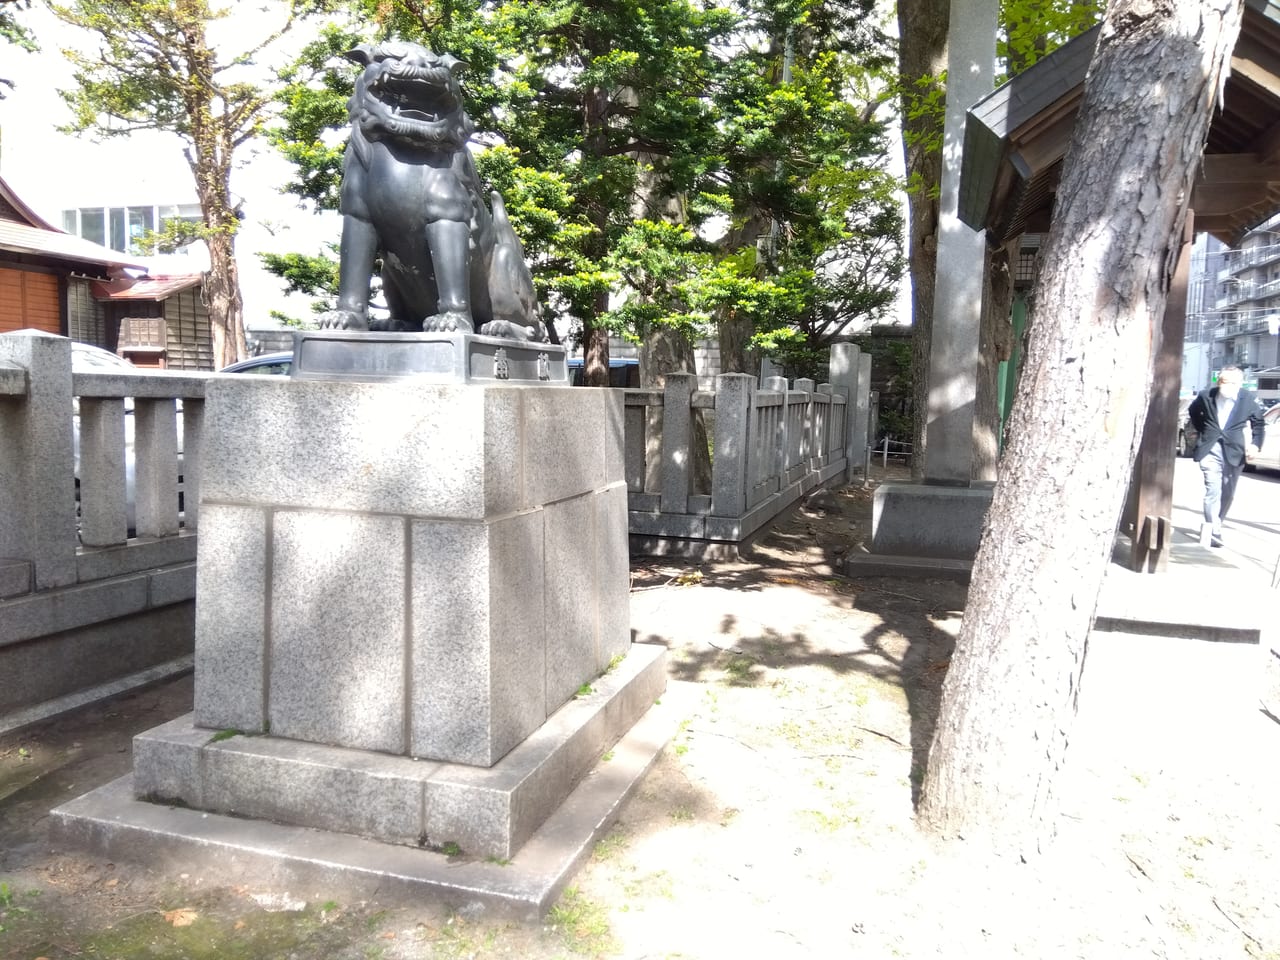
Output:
x,y
434,357
478,637
920,520
337,654
421,569
488,812
396,447
232,588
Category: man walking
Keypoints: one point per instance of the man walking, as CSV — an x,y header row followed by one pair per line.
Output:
x,y
1219,415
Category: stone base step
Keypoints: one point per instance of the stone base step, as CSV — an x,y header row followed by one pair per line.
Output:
x,y
320,865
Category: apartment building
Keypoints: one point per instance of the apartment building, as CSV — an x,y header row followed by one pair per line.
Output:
x,y
1233,311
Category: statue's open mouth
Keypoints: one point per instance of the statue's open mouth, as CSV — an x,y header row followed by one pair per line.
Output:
x,y
414,99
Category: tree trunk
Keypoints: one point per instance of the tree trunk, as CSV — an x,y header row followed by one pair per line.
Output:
x,y
226,307
1010,696
922,59
595,338
664,351
736,356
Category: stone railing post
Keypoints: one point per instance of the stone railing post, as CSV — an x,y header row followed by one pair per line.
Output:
x,y
103,515
37,475
156,452
677,441
805,386
862,418
779,440
828,422
846,369
193,461
733,440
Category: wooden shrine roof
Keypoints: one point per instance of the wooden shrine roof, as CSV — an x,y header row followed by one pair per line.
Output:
x,y
1016,138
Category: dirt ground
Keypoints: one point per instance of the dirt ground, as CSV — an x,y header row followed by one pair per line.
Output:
x,y
779,821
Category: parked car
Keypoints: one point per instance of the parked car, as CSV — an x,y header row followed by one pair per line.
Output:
x,y
623,371
1268,457
1187,433
279,364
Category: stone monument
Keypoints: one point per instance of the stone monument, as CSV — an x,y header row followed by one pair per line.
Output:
x,y
412,615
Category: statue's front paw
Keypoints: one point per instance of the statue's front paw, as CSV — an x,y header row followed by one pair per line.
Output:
x,y
450,321
512,331
343,320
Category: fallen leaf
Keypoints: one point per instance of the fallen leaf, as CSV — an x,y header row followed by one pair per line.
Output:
x,y
240,925
182,917
389,935
112,882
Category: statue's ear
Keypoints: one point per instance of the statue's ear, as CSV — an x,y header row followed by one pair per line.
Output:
x,y
363,54
456,66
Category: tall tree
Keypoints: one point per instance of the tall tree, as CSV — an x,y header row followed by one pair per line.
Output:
x,y
153,68
804,153
922,65
1010,696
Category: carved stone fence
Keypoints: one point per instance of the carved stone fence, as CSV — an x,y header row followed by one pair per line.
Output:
x,y
100,486
768,447
85,609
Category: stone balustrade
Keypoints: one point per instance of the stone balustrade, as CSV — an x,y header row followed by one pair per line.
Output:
x,y
104,586
769,445
86,608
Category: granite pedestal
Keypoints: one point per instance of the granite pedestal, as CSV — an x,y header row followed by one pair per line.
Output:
x,y
925,520
412,619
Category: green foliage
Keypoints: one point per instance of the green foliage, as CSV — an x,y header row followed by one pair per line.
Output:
x,y
173,235
618,131
891,359
1031,29
315,276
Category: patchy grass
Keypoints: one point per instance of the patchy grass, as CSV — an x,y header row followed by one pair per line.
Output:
x,y
582,924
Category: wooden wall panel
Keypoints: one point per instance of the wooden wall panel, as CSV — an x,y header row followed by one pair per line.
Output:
x,y
29,299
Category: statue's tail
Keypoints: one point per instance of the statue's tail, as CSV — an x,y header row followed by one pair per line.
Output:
x,y
510,282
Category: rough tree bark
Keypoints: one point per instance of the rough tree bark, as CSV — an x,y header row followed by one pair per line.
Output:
x,y
922,58
595,338
1010,696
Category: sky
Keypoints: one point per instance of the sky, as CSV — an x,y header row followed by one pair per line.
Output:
x,y
52,171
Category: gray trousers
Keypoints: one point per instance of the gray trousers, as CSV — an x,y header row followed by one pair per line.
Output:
x,y
1219,486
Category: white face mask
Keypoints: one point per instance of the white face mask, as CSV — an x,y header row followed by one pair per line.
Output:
x,y
1229,388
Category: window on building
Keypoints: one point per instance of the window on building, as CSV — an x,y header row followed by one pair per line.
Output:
x,y
93,225
116,218
122,228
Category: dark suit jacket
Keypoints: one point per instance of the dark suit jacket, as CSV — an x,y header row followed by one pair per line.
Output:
x,y
1203,414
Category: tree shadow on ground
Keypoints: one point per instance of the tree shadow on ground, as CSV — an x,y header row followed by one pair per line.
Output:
x,y
899,640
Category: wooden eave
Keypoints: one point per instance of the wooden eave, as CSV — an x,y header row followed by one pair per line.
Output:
x,y
1017,136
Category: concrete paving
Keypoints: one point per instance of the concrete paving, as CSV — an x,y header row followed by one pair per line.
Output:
x,y
1207,593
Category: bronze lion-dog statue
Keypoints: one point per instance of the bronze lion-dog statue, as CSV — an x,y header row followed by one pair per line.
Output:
x,y
411,197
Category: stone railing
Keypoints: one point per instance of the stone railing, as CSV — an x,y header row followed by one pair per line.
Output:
x,y
768,447
97,554
100,486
